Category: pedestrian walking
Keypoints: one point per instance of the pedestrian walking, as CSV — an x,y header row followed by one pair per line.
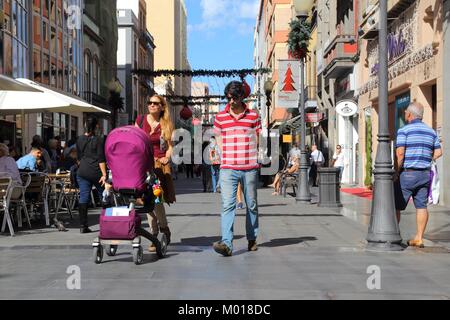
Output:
x,y
317,161
92,168
214,158
237,129
417,146
158,125
206,168
339,161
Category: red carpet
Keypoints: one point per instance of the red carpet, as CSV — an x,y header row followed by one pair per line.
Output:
x,y
359,192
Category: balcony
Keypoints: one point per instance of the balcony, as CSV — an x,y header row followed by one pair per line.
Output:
x,y
96,100
369,26
340,55
397,7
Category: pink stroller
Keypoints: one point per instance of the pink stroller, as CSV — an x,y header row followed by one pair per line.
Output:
x,y
130,159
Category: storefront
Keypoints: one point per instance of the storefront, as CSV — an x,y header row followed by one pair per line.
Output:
x,y
415,72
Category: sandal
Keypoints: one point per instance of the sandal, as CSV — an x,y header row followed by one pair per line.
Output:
x,y
416,243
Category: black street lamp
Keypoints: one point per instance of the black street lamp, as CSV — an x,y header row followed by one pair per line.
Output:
x,y
384,233
268,88
302,8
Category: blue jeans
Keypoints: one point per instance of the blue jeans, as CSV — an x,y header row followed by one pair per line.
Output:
x,y
341,170
215,171
229,180
86,188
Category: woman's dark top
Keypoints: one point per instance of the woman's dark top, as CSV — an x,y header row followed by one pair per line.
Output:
x,y
91,152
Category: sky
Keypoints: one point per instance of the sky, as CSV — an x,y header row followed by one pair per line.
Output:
x,y
220,36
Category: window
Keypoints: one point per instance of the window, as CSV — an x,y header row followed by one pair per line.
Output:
x,y
14,19
54,40
87,71
95,76
45,34
37,31
37,66
37,5
45,69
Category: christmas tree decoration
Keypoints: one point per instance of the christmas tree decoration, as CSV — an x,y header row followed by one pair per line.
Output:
x,y
288,81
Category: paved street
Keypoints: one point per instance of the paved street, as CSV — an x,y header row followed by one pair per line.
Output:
x,y
305,252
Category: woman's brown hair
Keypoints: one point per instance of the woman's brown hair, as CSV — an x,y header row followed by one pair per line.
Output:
x,y
166,119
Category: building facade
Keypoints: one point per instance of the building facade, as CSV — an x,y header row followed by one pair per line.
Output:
x,y
416,71
445,176
337,57
42,40
270,40
100,54
135,51
169,29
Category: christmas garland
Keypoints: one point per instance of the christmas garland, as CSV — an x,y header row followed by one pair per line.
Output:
x,y
192,98
201,73
298,38
206,103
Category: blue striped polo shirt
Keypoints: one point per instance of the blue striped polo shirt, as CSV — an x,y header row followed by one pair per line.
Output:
x,y
419,141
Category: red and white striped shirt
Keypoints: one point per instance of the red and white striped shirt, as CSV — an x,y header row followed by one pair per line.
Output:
x,y
239,139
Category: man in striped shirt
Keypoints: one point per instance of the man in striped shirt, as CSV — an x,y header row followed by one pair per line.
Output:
x,y
417,146
237,130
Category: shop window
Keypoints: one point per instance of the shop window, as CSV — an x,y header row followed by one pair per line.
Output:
x,y
401,104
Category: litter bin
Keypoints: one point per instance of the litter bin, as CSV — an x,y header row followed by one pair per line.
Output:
x,y
329,188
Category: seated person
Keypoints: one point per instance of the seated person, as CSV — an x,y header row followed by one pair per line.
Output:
x,y
70,158
30,162
292,170
8,168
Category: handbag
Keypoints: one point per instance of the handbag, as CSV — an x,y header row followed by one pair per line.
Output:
x,y
433,191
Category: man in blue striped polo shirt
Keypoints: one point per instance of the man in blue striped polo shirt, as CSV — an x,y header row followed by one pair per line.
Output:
x,y
417,146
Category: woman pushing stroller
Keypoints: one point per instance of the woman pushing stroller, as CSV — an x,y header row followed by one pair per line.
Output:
x,y
157,124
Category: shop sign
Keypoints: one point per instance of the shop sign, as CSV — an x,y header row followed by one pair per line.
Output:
x,y
314,117
288,84
347,108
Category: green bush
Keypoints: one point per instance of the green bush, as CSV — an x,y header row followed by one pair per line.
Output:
x,y
368,180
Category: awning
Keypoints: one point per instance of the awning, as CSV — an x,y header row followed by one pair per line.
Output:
x,y
295,123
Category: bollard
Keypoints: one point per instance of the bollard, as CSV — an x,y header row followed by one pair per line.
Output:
x,y
329,188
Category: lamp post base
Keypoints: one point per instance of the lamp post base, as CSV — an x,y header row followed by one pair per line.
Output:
x,y
384,246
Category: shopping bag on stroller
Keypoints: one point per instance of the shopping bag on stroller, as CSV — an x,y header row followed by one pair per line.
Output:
x,y
119,224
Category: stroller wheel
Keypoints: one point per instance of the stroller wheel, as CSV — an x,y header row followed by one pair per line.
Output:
x,y
98,254
138,255
161,246
111,250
